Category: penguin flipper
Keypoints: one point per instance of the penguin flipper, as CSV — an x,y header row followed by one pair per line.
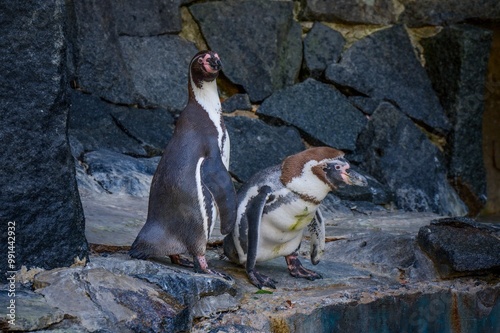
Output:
x,y
253,214
217,180
317,231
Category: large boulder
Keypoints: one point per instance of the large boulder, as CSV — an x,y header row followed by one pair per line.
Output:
x,y
39,197
397,153
319,110
117,173
402,80
360,11
259,42
456,61
322,47
256,145
91,127
461,246
113,61
446,12
100,300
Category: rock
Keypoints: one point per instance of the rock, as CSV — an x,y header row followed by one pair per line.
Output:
x,y
375,192
31,311
124,69
319,110
91,126
461,246
403,81
147,18
185,286
113,220
236,102
365,104
370,12
322,47
435,12
256,145
262,47
121,174
39,194
101,300
158,68
456,61
399,155
97,64
153,128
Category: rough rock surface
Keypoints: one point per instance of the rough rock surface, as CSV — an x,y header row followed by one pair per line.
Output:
x,y
322,47
145,19
102,300
399,155
403,80
120,174
91,127
237,102
126,69
359,11
438,12
460,246
372,268
39,192
450,58
410,12
256,145
261,49
319,110
158,80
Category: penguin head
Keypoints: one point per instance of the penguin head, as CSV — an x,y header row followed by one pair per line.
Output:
x,y
314,172
205,67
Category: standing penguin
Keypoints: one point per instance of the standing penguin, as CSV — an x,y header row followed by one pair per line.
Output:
x,y
191,188
278,203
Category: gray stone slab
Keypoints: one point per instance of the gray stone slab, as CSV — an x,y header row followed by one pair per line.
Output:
x,y
319,110
261,47
403,80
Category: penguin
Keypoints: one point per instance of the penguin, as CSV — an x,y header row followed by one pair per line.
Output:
x,y
277,204
191,188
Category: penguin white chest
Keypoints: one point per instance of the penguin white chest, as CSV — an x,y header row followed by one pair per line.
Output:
x,y
281,230
208,97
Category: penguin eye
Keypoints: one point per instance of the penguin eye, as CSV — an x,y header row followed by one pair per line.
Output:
x,y
337,167
200,60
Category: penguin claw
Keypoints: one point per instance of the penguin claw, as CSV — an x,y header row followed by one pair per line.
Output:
x,y
261,280
176,259
298,271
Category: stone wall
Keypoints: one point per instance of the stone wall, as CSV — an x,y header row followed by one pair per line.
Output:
x,y
398,85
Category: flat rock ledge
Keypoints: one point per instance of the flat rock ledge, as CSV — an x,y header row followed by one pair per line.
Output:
x,y
376,277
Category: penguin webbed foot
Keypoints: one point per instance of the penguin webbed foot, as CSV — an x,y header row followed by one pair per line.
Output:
x,y
178,260
261,280
201,266
298,271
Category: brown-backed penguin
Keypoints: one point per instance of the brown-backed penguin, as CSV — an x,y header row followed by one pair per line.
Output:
x,y
191,188
278,203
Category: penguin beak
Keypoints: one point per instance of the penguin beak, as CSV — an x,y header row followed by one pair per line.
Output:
x,y
215,63
351,177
